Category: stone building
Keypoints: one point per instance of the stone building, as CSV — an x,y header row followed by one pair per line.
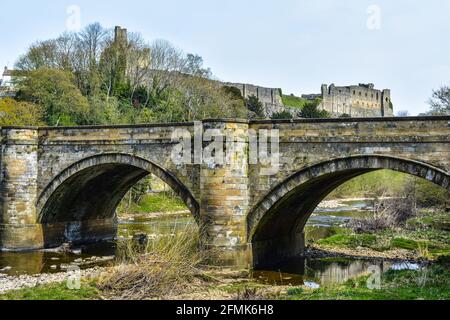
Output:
x,y
120,35
270,97
6,85
361,100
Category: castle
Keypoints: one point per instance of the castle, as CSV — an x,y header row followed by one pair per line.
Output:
x,y
358,101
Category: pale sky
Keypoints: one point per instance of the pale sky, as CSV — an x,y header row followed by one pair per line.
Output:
x,y
293,44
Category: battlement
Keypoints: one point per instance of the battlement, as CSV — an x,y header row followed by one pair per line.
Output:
x,y
361,100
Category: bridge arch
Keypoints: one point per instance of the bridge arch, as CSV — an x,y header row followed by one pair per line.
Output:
x,y
275,225
80,203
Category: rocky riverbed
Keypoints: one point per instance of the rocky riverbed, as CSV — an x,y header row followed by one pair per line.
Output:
x,y
8,283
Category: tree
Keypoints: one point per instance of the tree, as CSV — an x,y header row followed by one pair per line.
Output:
x,y
90,78
310,110
255,108
282,115
56,92
194,66
440,101
15,113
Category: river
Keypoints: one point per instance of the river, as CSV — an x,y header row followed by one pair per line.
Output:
x,y
312,272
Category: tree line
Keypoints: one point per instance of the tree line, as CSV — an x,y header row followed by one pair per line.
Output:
x,y
92,77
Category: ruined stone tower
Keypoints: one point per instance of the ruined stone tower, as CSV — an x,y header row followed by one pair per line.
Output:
x,y
358,101
120,35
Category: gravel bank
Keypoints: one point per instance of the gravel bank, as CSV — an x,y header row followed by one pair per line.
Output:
x,y
8,283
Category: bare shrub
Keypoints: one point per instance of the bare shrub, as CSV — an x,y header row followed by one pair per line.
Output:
x,y
387,213
250,294
169,265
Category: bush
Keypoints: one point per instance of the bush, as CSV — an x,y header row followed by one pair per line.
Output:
x,y
168,265
310,110
388,213
14,113
255,108
282,115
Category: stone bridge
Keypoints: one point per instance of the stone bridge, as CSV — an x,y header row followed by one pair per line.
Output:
x,y
64,184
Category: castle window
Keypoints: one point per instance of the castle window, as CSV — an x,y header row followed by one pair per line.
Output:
x,y
354,92
360,93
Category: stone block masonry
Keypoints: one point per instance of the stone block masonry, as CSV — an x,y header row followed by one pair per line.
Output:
x,y
64,184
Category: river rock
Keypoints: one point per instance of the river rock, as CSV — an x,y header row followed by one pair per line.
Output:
x,y
6,269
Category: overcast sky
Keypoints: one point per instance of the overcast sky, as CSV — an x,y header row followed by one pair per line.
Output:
x,y
293,44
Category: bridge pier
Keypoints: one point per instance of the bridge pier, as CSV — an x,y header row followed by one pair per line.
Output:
x,y
224,199
19,229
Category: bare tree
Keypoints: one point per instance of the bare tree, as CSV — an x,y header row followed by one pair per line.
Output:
x,y
440,101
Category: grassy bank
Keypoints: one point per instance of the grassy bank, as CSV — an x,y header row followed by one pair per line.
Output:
x,y
293,101
424,237
56,291
430,284
153,203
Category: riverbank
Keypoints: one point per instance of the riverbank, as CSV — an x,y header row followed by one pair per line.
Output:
x,y
13,283
329,269
430,283
425,237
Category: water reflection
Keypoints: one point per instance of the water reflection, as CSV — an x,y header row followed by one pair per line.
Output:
x,y
325,272
324,223
101,254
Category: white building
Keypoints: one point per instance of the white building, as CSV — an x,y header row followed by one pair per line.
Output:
x,y
6,80
6,85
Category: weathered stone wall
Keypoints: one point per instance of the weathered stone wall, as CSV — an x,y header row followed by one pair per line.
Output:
x,y
66,182
60,148
269,97
362,101
265,95
282,203
18,190
306,142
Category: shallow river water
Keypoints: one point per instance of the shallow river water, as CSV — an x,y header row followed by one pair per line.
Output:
x,y
311,272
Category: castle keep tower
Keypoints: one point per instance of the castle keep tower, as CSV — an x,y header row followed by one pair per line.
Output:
x,y
120,36
358,101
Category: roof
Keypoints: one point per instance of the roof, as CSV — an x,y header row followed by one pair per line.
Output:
x,y
7,72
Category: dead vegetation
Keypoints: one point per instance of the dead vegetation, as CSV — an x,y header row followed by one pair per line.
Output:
x,y
167,266
387,213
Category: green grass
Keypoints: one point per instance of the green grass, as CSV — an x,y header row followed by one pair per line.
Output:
x,y
409,244
422,235
160,202
56,291
293,101
395,285
431,220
